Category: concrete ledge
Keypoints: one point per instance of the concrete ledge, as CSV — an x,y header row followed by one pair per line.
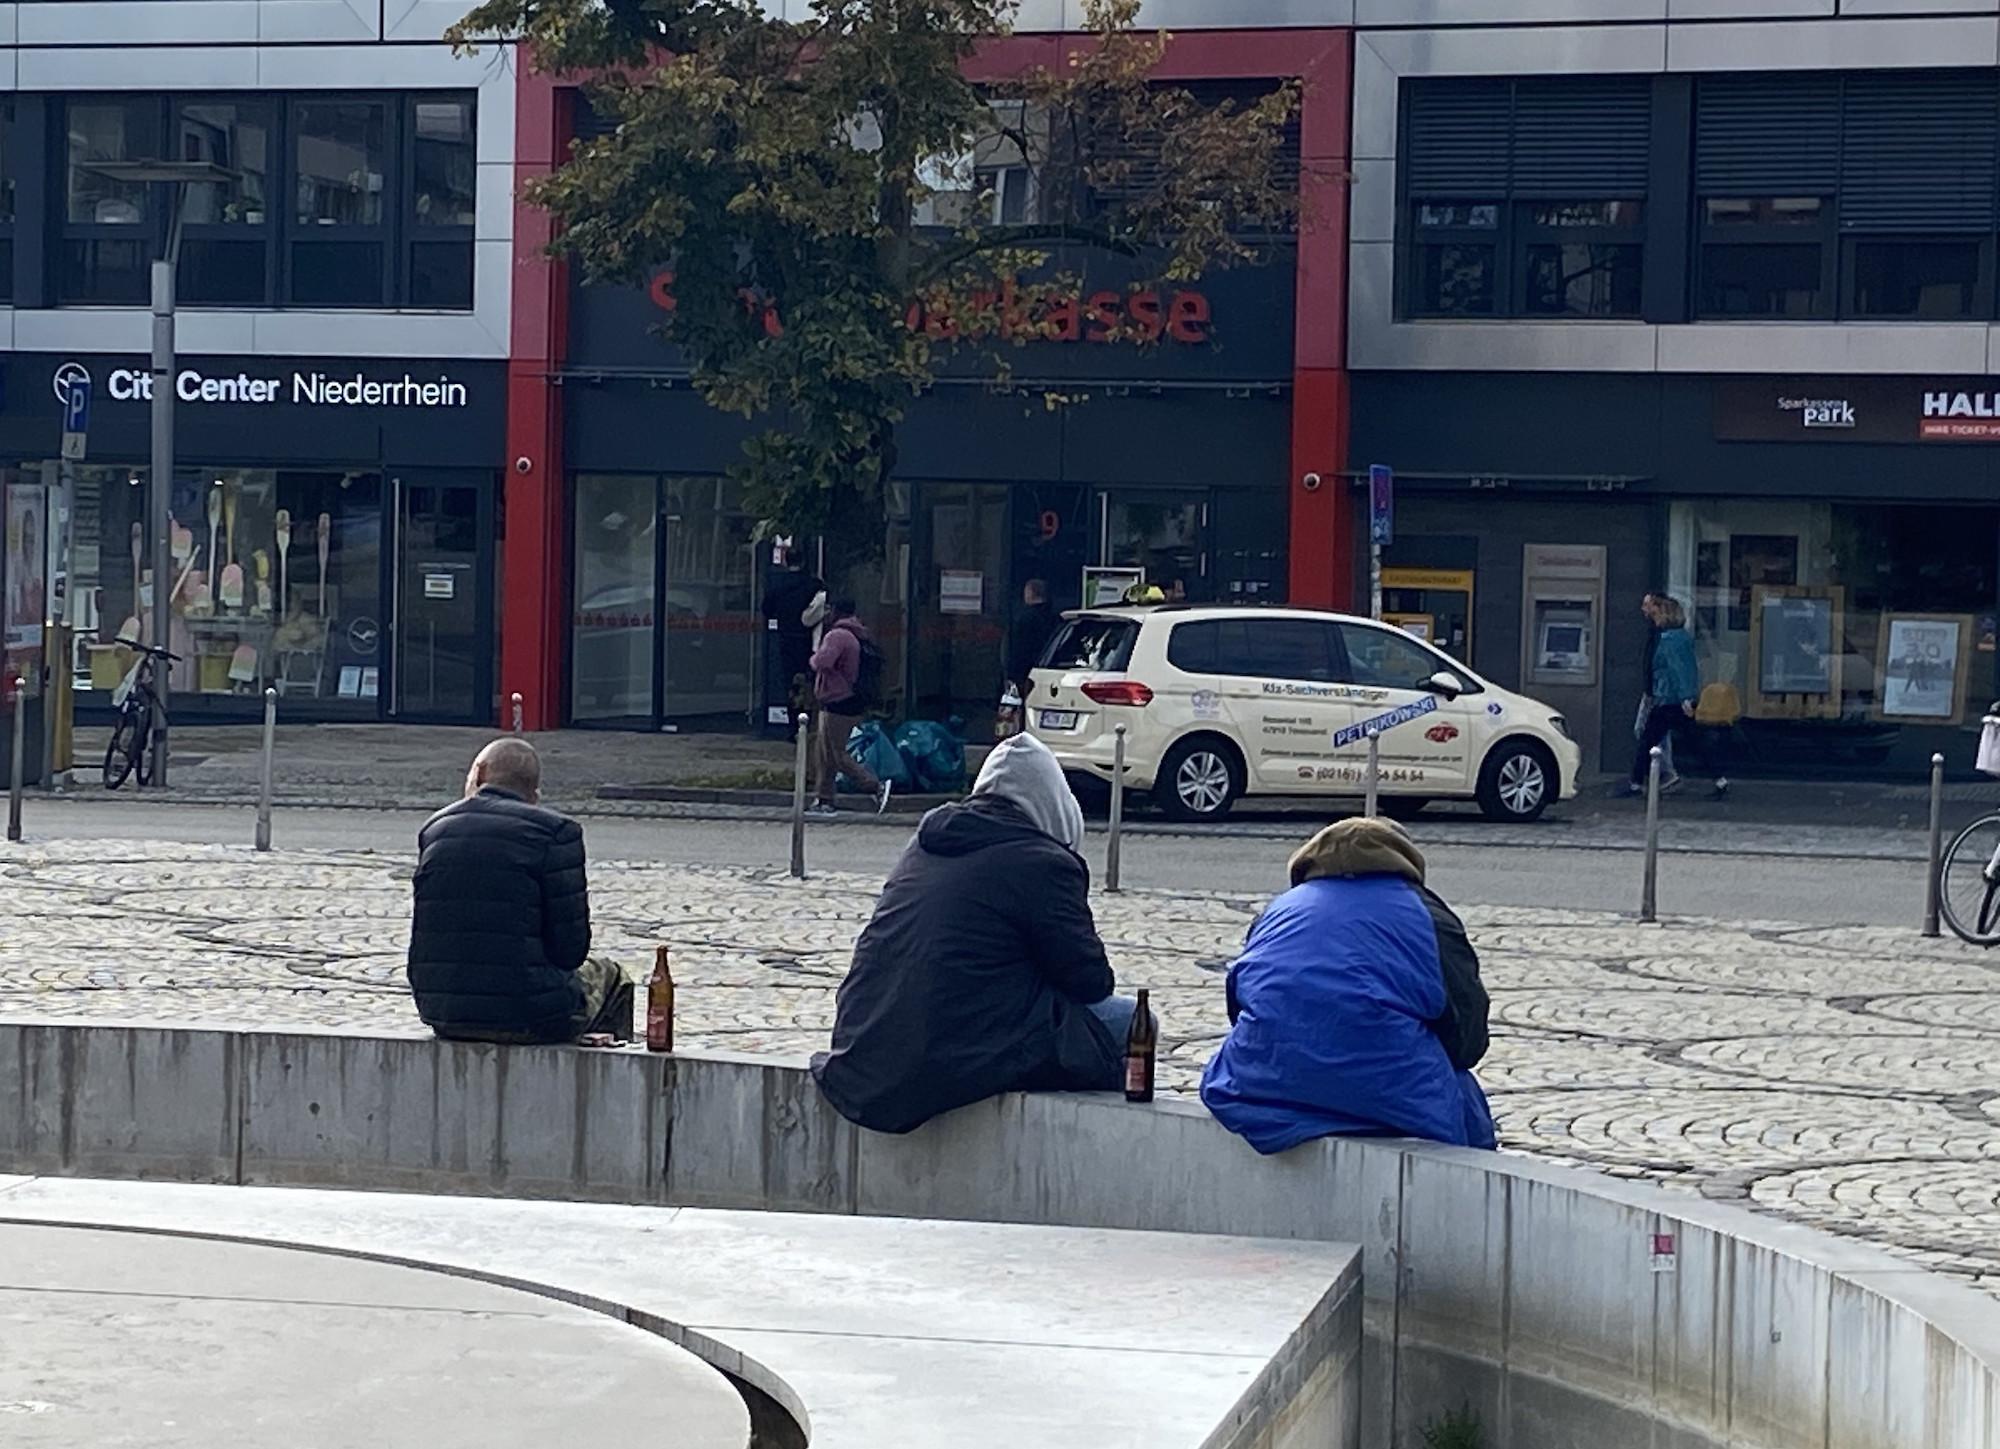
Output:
x,y
1529,1292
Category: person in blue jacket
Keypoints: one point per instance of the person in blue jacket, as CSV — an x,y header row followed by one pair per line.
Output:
x,y
1356,1008
1676,690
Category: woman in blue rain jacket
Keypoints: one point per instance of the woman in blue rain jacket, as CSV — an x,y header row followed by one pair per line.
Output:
x,y
1356,1007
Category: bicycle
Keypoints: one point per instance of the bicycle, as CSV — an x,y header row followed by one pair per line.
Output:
x,y
1968,885
138,706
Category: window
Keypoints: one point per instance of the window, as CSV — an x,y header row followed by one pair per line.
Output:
x,y
1300,649
319,201
1765,256
1508,215
226,229
109,224
443,170
1386,658
1899,167
10,162
1583,258
1916,278
1101,645
1195,648
1457,260
339,247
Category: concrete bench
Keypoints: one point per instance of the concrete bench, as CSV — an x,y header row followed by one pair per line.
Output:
x,y
1565,1308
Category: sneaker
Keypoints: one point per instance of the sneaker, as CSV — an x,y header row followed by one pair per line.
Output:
x,y
1670,784
1629,791
821,810
888,788
1721,789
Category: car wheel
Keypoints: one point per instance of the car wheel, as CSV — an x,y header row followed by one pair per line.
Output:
x,y
1199,780
1518,782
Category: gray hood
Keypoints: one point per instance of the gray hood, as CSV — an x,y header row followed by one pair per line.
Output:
x,y
1021,771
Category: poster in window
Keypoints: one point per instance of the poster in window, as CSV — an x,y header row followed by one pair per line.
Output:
x,y
1795,641
26,553
1922,659
1758,560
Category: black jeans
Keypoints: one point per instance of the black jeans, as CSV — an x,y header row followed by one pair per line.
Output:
x,y
1671,719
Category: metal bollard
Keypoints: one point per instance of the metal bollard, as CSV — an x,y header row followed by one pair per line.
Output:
x,y
1933,885
1113,849
14,780
1372,781
799,800
517,714
264,769
1649,889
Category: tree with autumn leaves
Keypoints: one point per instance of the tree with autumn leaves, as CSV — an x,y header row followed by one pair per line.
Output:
x,y
845,202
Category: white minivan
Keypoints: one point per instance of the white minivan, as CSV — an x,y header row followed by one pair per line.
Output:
x,y
1220,703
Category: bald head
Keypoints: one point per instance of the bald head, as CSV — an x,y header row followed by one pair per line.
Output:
x,y
507,764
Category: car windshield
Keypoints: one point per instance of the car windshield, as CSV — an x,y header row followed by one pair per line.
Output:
x,y
1100,645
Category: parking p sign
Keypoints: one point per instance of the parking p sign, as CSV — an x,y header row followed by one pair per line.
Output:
x,y
76,417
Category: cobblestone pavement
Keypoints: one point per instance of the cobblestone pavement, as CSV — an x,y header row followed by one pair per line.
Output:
x,y
1844,1077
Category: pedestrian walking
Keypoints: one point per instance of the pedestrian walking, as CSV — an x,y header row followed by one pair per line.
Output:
x,y
1675,693
1649,606
1027,636
788,604
847,675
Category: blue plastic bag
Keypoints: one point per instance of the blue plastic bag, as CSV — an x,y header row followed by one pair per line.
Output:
x,y
871,745
936,756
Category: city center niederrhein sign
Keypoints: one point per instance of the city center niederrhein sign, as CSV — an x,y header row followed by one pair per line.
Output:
x,y
279,385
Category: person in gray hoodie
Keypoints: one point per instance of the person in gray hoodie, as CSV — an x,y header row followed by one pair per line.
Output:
x,y
981,970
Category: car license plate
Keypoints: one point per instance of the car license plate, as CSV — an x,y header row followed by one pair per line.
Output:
x,y
1058,719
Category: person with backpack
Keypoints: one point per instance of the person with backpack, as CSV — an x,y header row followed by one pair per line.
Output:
x,y
847,681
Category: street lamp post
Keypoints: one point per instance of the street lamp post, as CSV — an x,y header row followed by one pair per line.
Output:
x,y
173,177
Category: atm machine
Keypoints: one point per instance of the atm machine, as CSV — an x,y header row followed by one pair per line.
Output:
x,y
1562,637
23,607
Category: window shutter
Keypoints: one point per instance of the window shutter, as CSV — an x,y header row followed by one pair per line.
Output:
x,y
1458,139
1767,135
1918,151
1582,139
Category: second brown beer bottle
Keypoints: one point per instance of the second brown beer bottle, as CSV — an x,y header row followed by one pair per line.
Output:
x,y
1141,1046
660,1005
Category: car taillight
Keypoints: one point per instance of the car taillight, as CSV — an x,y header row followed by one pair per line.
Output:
x,y
1118,691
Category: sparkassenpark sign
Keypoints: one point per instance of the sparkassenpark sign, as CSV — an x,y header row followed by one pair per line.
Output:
x,y
1877,409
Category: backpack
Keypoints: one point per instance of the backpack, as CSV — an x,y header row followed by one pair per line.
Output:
x,y
868,676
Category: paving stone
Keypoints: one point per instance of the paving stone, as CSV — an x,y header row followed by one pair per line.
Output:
x,y
1844,1077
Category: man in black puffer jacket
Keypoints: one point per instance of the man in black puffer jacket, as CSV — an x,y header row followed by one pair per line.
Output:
x,y
500,944
981,971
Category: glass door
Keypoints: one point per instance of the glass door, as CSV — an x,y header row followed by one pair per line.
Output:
x,y
615,575
444,612
710,621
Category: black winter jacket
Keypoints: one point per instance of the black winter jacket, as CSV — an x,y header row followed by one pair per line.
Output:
x,y
972,977
502,919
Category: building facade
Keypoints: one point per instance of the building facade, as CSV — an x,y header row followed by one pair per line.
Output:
x,y
343,322
1699,300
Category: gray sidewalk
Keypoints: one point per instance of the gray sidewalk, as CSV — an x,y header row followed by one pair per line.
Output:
x,y
714,776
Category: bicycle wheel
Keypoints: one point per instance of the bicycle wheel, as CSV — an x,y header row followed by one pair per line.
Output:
x,y
126,750
1969,883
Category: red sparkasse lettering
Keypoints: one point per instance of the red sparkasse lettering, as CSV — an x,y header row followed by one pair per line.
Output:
x,y
1190,318
1106,312
1183,317
1145,309
1062,322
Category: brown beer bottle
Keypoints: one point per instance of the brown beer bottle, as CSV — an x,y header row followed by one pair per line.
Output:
x,y
660,1005
1141,1044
